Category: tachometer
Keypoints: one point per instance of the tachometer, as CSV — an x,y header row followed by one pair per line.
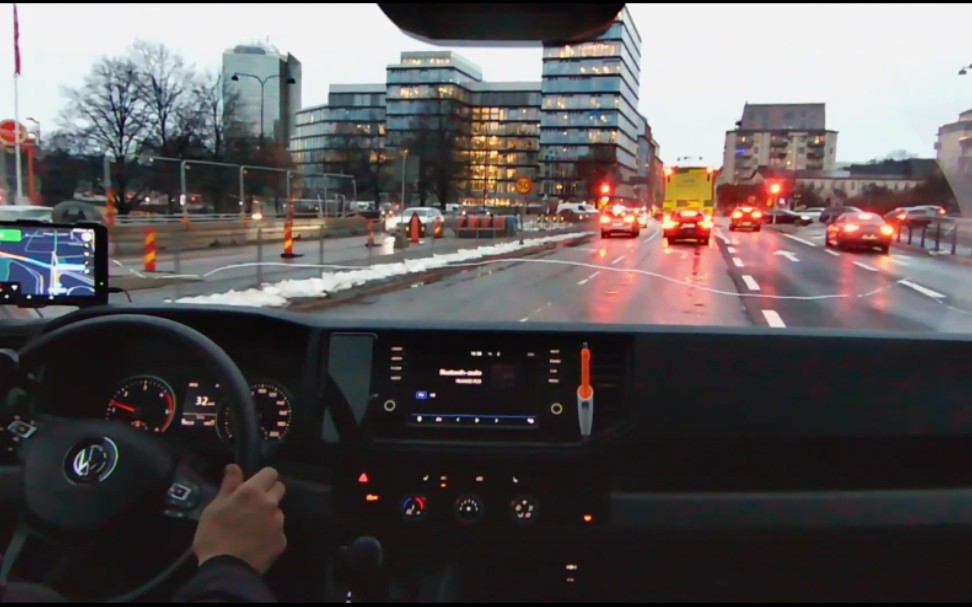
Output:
x,y
145,402
274,410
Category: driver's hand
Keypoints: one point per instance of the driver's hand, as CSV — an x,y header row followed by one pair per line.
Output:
x,y
244,520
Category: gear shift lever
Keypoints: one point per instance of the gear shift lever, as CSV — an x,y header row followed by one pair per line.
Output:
x,y
363,565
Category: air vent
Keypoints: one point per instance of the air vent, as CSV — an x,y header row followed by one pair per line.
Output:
x,y
610,379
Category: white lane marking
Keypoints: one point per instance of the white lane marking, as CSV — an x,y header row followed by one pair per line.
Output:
x,y
535,312
731,249
751,283
921,289
864,266
773,319
724,238
585,281
818,236
615,262
738,262
654,235
800,240
834,253
903,262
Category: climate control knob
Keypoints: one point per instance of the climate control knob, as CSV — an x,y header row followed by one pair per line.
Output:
x,y
524,509
469,509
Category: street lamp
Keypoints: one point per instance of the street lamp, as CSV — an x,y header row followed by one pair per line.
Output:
x,y
37,128
263,86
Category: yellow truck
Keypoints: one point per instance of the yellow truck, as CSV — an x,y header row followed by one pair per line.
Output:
x,y
689,188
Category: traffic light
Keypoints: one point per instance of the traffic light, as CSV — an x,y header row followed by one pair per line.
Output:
x,y
775,189
605,188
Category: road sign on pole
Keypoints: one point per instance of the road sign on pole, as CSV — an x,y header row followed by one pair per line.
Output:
x,y
12,133
524,185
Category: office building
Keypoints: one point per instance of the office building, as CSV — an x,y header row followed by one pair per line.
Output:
x,y
590,124
261,87
449,136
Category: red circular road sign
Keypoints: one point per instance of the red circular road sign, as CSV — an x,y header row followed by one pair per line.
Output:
x,y
524,185
11,133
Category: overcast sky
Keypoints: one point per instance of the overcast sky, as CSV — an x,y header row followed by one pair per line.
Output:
x,y
888,73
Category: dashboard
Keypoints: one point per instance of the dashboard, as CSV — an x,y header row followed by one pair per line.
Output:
x,y
592,440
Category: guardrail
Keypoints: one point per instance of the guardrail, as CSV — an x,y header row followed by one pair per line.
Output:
x,y
129,239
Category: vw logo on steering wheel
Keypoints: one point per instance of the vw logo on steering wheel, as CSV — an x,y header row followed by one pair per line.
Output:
x,y
92,461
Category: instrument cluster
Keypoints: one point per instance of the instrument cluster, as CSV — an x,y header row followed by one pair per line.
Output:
x,y
152,404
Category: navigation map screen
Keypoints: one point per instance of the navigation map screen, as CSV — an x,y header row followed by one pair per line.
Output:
x,y
44,264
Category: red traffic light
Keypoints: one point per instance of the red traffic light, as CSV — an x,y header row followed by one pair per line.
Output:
x,y
775,188
605,189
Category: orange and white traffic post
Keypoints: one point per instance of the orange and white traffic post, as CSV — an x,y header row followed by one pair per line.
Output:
x,y
371,233
288,241
110,210
150,250
415,228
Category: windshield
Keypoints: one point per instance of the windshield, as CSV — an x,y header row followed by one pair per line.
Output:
x,y
277,163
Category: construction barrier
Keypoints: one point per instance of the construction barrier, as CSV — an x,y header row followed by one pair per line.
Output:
x,y
150,254
288,241
486,226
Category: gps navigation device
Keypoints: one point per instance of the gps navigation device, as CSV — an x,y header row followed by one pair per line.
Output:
x,y
52,264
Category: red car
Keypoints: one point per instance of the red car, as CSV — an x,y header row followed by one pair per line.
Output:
x,y
746,218
860,230
688,225
620,220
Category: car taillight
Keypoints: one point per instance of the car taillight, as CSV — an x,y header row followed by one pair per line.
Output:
x,y
737,215
629,219
707,224
757,214
668,224
851,227
605,219
887,230
902,216
666,218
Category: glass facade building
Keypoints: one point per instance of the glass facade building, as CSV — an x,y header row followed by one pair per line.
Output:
x,y
438,132
589,122
262,85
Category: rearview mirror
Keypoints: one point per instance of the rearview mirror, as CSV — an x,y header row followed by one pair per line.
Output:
x,y
519,24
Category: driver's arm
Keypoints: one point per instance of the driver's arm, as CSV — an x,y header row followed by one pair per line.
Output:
x,y
225,579
240,535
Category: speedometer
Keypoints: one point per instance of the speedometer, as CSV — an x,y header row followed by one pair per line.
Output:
x,y
144,402
274,412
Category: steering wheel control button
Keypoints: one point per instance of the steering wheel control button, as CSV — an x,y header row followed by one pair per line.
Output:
x,y
179,492
524,510
390,406
182,494
469,509
91,461
556,408
414,508
21,429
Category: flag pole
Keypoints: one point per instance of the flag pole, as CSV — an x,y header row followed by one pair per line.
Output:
x,y
17,160
18,167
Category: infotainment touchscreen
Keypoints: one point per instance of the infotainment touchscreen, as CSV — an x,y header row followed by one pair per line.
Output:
x,y
465,387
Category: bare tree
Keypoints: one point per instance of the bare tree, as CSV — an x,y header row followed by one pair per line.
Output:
x,y
106,114
436,140
166,86
218,113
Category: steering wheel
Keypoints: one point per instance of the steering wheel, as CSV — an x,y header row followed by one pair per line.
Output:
x,y
81,476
